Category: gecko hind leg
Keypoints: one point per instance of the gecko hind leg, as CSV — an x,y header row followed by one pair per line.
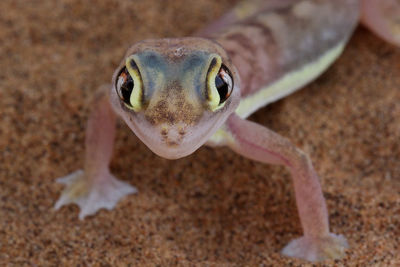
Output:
x,y
90,195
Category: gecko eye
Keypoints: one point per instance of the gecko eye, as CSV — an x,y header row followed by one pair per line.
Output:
x,y
224,84
125,86
129,86
219,84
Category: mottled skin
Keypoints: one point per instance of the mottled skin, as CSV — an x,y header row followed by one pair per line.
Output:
x,y
166,91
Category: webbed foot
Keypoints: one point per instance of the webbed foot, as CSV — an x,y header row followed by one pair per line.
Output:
x,y
317,249
92,195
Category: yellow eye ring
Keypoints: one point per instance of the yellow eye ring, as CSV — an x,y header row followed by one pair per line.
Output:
x,y
219,84
129,86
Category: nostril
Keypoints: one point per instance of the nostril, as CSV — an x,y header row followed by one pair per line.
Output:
x,y
164,132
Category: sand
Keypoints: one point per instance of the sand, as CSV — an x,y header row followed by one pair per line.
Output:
x,y
213,208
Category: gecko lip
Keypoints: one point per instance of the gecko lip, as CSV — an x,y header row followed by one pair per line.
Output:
x,y
172,142
171,149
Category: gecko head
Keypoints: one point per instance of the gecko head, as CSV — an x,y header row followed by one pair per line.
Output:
x,y
175,93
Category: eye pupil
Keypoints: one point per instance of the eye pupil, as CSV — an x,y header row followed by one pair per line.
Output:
x,y
125,86
224,84
126,89
222,87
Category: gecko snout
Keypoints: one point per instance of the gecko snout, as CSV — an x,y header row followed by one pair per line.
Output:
x,y
172,135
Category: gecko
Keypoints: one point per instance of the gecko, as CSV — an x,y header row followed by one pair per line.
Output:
x,y
177,94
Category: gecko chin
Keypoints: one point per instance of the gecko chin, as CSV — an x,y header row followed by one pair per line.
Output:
x,y
170,136
172,150
174,141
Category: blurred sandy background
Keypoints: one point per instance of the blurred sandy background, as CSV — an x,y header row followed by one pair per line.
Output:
x,y
213,208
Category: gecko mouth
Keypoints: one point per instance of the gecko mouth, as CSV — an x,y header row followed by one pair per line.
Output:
x,y
173,141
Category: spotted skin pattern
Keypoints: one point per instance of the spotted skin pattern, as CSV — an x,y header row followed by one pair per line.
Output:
x,y
178,94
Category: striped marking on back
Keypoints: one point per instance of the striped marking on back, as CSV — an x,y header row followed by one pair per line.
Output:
x,y
289,83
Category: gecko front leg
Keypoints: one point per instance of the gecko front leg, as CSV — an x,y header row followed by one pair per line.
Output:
x,y
259,143
95,187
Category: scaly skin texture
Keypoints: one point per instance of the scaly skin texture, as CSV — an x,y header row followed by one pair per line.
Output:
x,y
178,94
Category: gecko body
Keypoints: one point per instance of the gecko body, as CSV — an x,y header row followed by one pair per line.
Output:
x,y
179,94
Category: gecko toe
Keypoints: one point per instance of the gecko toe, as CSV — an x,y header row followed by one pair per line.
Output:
x,y
92,196
317,249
